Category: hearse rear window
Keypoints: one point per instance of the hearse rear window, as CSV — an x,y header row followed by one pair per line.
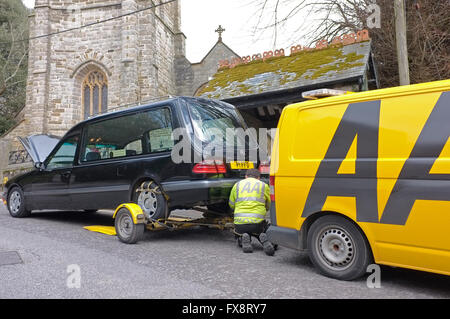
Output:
x,y
212,117
130,135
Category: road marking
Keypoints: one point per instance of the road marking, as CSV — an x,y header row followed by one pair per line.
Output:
x,y
10,258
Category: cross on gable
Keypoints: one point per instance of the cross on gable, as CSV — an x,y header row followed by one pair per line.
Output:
x,y
220,30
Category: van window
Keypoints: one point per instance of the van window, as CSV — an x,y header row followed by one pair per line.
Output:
x,y
129,135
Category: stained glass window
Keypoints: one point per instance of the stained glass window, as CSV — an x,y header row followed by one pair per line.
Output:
x,y
95,94
95,99
104,98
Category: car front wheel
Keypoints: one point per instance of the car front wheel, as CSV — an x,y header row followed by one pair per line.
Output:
x,y
16,203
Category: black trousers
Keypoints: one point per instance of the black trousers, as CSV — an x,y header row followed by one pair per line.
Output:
x,y
251,229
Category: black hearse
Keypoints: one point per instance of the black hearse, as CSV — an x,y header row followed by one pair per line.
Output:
x,y
102,162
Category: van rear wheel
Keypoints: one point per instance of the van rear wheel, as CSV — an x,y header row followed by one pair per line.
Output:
x,y
338,248
149,197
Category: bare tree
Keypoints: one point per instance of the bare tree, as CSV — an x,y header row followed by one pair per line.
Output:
x,y
428,31
13,60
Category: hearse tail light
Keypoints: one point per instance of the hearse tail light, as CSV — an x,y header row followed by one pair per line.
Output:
x,y
220,166
321,93
210,167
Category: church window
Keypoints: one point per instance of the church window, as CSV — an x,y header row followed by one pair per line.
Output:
x,y
95,94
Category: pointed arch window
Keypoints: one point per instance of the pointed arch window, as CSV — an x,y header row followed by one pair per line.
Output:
x,y
95,94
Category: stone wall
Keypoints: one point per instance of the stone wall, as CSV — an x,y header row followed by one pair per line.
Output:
x,y
13,160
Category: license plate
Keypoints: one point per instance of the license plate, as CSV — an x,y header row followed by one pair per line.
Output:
x,y
241,165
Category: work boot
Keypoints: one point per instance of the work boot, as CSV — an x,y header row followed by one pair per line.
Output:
x,y
246,243
239,241
267,245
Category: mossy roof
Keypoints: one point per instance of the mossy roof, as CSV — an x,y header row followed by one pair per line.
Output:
x,y
279,73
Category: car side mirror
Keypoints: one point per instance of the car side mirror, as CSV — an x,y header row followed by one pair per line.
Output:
x,y
39,165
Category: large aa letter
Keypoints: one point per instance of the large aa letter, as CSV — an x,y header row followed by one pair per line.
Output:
x,y
360,120
415,181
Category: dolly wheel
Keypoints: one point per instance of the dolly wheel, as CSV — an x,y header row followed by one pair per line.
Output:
x,y
127,231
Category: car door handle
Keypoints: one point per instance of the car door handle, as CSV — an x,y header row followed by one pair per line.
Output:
x,y
66,174
121,170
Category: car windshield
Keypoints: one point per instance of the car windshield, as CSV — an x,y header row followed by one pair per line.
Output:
x,y
210,118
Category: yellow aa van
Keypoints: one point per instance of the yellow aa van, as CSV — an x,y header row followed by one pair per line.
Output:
x,y
365,178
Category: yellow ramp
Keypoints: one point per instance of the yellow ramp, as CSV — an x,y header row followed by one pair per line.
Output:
x,y
108,230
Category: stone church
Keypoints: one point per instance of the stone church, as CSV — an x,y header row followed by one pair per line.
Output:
x,y
126,61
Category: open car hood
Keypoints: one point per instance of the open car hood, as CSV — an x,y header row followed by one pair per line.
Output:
x,y
39,146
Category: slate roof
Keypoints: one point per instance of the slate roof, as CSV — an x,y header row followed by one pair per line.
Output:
x,y
297,70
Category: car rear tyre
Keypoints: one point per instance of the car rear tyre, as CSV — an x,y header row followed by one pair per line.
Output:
x,y
127,231
338,248
16,203
151,200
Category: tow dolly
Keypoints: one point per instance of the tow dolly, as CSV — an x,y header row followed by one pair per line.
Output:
x,y
130,223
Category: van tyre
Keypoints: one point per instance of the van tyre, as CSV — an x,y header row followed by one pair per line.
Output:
x,y
127,231
149,197
16,203
337,248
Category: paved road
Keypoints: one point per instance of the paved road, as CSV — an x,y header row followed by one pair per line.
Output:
x,y
196,263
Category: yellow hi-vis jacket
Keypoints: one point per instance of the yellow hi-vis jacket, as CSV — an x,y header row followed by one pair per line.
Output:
x,y
250,199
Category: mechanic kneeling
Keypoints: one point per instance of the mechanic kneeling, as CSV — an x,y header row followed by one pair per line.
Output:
x,y
250,200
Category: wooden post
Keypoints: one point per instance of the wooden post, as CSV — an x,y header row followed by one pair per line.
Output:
x,y
4,155
402,48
